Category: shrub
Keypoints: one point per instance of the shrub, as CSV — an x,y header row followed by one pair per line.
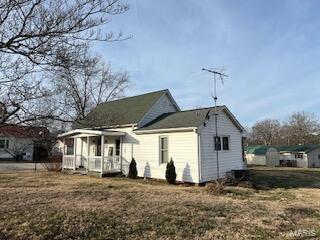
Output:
x,y
53,164
171,172
133,173
216,187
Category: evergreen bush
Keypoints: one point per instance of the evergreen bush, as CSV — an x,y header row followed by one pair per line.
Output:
x,y
133,173
171,172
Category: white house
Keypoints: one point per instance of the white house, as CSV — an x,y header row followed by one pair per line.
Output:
x,y
304,156
152,129
14,141
262,155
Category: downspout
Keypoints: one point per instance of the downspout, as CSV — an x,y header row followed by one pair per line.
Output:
x,y
199,157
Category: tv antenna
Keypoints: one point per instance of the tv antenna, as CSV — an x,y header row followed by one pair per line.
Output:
x,y
217,75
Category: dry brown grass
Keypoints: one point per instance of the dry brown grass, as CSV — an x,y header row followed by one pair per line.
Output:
x,y
42,205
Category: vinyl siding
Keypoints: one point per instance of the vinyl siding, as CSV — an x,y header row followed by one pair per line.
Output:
x,y
163,105
144,148
313,158
256,159
271,158
228,160
18,145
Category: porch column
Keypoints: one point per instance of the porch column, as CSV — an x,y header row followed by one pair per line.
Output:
x,y
75,153
81,152
102,153
63,151
121,140
88,152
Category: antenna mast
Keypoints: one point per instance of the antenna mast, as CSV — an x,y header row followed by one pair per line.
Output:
x,y
221,75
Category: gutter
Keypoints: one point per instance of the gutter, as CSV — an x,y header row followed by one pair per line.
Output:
x,y
166,130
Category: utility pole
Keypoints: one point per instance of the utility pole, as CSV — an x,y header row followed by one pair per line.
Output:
x,y
221,75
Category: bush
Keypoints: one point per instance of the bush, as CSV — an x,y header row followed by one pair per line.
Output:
x,y
133,173
53,164
217,187
171,172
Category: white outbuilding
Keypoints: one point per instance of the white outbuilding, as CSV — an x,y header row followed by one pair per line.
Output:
x,y
262,155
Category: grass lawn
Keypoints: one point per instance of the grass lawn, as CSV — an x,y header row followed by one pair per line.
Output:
x,y
45,205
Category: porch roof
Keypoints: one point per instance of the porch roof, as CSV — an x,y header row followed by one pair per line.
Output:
x,y
90,132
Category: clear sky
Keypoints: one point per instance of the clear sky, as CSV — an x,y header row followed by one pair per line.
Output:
x,y
270,49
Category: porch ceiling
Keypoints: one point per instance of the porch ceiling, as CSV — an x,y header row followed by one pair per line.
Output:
x,y
90,133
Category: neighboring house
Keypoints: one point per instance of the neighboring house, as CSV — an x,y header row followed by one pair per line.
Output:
x,y
304,156
152,129
20,142
262,155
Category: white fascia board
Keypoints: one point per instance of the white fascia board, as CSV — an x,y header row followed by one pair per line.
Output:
x,y
167,130
87,132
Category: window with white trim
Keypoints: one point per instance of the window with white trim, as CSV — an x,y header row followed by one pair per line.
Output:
x,y
222,143
164,149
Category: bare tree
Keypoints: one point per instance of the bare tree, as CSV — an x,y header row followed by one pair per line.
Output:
x,y
301,128
84,81
34,36
266,132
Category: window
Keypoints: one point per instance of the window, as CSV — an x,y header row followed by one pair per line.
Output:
x,y
298,156
117,147
217,141
164,153
4,143
221,146
225,143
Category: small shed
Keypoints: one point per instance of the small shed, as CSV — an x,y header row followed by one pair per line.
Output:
x,y
262,155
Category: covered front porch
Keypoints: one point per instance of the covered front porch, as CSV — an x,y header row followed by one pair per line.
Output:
x,y
92,151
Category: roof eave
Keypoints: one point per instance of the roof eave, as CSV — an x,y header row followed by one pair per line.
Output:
x,y
87,132
166,130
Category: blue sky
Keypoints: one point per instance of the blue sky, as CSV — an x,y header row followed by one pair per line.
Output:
x,y
270,50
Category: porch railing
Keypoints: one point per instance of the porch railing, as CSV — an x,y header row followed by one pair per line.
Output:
x,y
94,163
68,161
112,163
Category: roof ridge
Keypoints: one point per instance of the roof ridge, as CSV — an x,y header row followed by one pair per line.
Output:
x,y
163,90
195,109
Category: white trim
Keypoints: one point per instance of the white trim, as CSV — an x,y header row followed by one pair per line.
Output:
x,y
87,132
161,150
199,158
165,130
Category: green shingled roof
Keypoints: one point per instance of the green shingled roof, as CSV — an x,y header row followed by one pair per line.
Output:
x,y
188,118
124,111
298,148
257,150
